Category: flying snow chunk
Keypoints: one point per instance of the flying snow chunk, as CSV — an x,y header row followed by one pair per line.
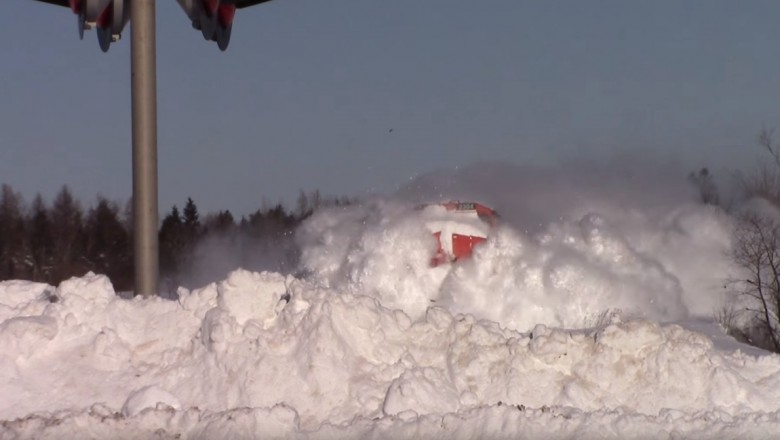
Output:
x,y
250,295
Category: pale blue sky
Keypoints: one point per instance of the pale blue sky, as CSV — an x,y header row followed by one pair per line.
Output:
x,y
309,90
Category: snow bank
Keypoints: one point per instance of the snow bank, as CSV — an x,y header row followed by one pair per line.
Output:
x,y
281,355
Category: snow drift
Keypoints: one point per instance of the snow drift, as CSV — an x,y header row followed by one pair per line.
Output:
x,y
279,355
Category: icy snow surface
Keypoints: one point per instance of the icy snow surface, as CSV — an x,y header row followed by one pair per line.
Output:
x,y
598,325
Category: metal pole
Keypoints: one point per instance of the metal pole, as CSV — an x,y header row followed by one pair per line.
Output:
x,y
144,101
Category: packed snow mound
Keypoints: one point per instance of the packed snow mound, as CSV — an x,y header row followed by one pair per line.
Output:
x,y
569,275
283,355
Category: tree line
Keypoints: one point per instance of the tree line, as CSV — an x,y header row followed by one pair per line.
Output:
x,y
51,242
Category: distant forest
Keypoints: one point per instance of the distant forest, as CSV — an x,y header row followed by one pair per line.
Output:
x,y
50,243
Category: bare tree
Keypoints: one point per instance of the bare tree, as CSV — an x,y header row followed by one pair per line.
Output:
x,y
765,141
764,182
757,251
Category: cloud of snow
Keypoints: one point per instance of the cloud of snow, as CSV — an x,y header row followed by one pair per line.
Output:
x,y
570,247
218,254
531,197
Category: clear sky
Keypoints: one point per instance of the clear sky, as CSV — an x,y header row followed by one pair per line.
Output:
x,y
359,96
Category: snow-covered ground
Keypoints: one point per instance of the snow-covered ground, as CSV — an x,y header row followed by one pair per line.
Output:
x,y
590,317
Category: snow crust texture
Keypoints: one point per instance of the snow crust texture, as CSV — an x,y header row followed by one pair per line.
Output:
x,y
264,353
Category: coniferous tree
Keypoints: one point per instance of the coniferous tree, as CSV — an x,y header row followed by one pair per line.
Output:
x,y
68,233
40,241
220,223
172,242
192,231
303,207
268,239
12,243
191,218
107,242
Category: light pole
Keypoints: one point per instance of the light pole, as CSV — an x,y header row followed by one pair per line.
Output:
x,y
143,70
214,18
